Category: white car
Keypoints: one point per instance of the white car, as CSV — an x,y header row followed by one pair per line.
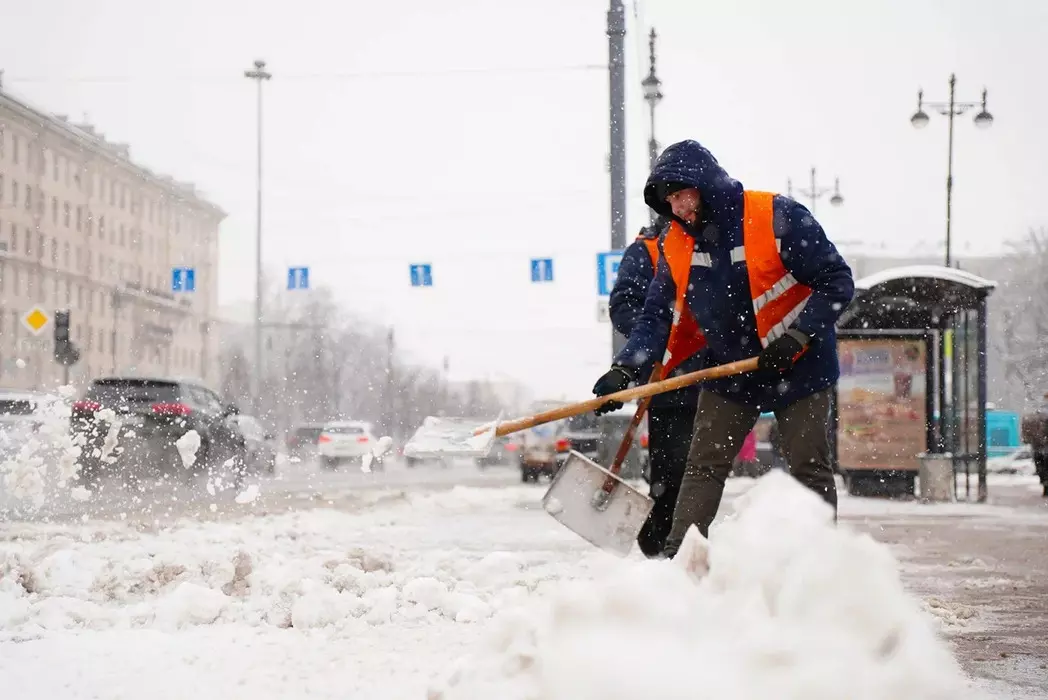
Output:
x,y
342,441
1018,462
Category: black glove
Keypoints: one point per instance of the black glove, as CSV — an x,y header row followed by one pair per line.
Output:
x,y
777,359
615,379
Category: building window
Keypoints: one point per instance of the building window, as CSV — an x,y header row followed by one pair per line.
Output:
x,y
102,227
59,165
65,214
39,246
14,238
54,210
28,243
65,255
122,234
28,198
14,147
79,218
54,251
55,161
123,197
14,192
1,183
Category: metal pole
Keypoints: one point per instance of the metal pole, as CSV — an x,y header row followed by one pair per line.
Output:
x,y
617,117
980,342
389,398
814,192
949,168
259,74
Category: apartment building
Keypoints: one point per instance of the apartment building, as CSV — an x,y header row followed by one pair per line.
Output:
x,y
84,228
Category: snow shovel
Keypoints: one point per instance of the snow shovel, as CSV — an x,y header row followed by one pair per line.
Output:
x,y
581,479
584,496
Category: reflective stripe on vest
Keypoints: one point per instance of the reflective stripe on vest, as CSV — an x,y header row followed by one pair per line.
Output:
x,y
778,298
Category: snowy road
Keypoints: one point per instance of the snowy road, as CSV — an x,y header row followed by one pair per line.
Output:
x,y
351,585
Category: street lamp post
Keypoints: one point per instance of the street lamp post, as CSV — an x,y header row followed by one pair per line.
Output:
x,y
617,134
950,109
259,74
815,193
653,96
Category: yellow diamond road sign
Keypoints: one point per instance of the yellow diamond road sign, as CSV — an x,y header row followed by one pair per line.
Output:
x,y
36,320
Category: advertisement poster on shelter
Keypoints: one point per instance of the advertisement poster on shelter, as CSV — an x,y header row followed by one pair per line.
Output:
x,y
881,403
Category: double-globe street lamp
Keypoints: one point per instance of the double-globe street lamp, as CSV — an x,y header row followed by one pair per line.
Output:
x,y
950,109
815,193
653,96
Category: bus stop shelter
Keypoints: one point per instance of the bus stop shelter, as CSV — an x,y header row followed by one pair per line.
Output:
x,y
913,380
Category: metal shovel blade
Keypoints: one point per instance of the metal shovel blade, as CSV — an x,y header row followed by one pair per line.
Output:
x,y
451,437
578,500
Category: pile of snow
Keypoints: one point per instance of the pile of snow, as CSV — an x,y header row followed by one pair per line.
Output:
x,y
780,604
387,565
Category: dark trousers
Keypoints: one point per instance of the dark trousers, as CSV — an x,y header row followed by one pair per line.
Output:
x,y
1040,463
669,437
720,427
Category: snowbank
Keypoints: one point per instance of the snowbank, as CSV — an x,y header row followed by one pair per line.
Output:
x,y
791,607
418,559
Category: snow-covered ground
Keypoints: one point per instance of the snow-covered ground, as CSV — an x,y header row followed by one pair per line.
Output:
x,y
418,590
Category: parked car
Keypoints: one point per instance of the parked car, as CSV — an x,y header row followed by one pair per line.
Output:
x,y
539,453
261,447
1018,461
302,440
342,441
152,414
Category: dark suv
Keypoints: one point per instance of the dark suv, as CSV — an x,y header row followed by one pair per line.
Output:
x,y
153,414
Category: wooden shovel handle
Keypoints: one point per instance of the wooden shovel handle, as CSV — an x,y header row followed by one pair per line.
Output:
x,y
637,392
627,439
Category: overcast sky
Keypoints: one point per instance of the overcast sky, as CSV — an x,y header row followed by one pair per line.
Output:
x,y
472,135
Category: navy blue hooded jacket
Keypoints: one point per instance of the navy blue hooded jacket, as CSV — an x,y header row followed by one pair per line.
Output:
x,y
719,295
636,272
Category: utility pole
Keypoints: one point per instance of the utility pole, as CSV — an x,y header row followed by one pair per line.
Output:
x,y
390,407
617,123
259,74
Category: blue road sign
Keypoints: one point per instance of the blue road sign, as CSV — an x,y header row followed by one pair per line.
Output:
x,y
542,270
183,279
607,271
298,278
421,275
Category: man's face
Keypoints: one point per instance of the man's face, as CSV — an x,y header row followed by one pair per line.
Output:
x,y
686,204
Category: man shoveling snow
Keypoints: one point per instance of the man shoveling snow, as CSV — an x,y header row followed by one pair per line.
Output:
x,y
749,273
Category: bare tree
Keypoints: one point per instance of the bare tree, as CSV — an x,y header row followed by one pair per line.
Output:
x,y
1020,335
323,363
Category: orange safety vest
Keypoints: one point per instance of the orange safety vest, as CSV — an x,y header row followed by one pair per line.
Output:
x,y
778,298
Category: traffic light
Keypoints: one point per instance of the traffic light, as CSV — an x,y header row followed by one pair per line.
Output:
x,y
66,353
